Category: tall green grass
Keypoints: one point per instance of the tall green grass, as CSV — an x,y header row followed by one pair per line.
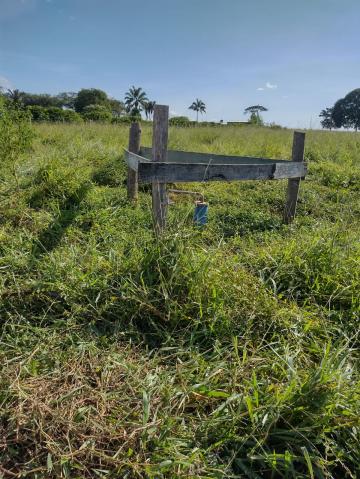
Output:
x,y
227,352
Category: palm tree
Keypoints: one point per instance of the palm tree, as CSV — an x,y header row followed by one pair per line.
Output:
x,y
149,109
16,96
198,106
254,113
135,101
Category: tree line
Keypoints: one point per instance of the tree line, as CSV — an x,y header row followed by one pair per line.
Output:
x,y
344,114
93,104
89,104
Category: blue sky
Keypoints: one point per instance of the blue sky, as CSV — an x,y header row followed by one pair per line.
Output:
x,y
294,57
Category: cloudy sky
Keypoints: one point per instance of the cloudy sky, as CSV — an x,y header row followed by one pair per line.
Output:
x,y
294,57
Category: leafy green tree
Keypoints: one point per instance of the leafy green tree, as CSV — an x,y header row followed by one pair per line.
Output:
x,y
67,99
149,109
117,107
338,114
198,106
96,113
254,111
327,118
39,99
351,108
135,101
345,113
91,96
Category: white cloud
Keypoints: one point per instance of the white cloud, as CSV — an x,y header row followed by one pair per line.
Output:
x,y
5,83
271,86
268,86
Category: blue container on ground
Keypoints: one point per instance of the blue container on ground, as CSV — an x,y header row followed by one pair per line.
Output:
x,y
201,213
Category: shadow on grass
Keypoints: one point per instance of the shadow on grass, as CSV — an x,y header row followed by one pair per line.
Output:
x,y
39,303
69,209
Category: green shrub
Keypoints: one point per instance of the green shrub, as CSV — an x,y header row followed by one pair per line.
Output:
x,y
53,114
180,121
209,123
275,126
122,120
70,116
38,113
97,113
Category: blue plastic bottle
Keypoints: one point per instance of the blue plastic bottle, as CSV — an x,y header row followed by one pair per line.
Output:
x,y
200,213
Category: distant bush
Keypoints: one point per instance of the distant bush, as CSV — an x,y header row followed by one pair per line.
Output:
x,y
97,113
237,123
180,121
38,113
275,126
53,114
209,123
121,120
70,116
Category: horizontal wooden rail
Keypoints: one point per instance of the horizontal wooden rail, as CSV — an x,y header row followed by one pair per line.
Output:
x,y
178,156
168,172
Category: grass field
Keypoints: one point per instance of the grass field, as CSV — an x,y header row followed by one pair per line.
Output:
x,y
229,352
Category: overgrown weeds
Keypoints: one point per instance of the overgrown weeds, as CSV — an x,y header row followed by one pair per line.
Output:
x,y
226,352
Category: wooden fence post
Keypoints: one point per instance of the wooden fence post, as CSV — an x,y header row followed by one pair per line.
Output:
x,y
134,147
159,153
294,183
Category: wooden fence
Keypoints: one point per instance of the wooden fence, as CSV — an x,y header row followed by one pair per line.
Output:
x,y
158,166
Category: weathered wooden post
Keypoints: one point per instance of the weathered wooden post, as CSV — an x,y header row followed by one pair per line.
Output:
x,y
159,153
134,147
294,183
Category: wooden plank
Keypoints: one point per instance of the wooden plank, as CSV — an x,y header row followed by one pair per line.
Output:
x,y
294,183
283,170
133,160
178,172
159,155
134,147
289,170
177,156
